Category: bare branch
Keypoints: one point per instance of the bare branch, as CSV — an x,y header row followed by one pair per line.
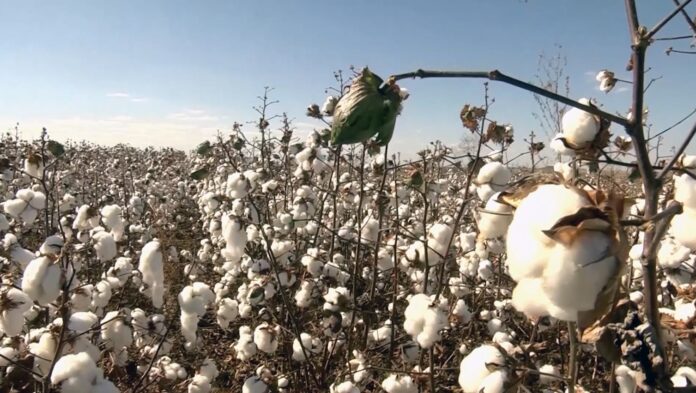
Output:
x,y
496,75
666,19
678,153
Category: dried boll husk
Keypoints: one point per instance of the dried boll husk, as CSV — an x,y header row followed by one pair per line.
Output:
x,y
366,110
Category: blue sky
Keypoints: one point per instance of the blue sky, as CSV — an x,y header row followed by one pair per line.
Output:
x,y
171,73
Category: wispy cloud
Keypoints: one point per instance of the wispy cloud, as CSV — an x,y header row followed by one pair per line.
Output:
x,y
193,115
127,96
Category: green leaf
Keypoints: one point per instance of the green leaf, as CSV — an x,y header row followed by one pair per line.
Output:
x,y
56,148
199,174
204,148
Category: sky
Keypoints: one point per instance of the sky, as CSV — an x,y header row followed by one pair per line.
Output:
x,y
174,72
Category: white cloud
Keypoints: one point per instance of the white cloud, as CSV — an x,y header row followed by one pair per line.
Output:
x,y
127,96
193,115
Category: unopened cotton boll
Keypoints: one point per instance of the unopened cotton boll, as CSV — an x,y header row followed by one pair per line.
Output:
x,y
474,368
152,268
579,127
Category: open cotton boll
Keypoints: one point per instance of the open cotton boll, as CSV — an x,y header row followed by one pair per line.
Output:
x,y
626,379
14,207
312,346
550,371
74,372
195,298
115,333
344,387
13,304
112,217
685,190
682,228
81,322
578,273
579,127
41,280
559,147
235,238
86,219
228,311
369,230
266,337
38,202
152,269
527,245
671,254
104,245
424,320
329,104
254,384
245,348
474,368
495,174
565,170
238,186
9,356
685,376
494,219
399,384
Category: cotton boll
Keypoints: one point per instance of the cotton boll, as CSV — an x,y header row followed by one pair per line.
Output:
x,y
578,274
399,384
495,174
685,190
86,219
9,355
494,382
112,217
551,370
474,368
527,245
200,384
671,254
485,270
682,228
311,346
235,238
74,372
254,384
344,387
245,348
565,170
685,376
485,192
559,147
41,280
81,322
13,304
494,219
579,127
626,379
266,337
14,207
52,245
462,311
116,335
104,245
424,321
152,269
228,311
369,230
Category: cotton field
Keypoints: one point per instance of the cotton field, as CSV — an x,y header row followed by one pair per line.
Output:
x,y
287,265
277,259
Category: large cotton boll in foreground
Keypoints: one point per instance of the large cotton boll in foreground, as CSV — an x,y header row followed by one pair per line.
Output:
x,y
685,190
579,127
576,274
41,280
527,245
